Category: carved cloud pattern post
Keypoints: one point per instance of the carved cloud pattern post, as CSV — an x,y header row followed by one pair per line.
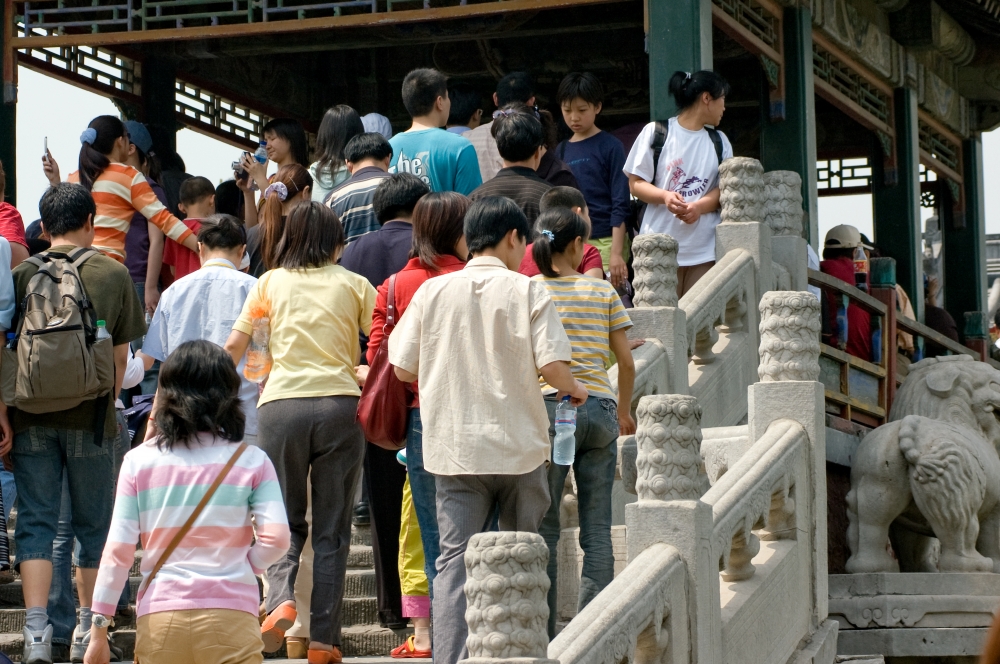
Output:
x,y
506,590
783,203
789,336
669,461
741,185
655,263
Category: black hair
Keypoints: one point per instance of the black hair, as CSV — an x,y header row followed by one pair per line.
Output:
x,y
222,231
293,132
369,145
340,124
195,189
562,197
465,101
94,155
490,219
198,391
577,85
516,86
229,198
421,89
518,132
687,89
398,194
565,226
311,236
66,208
833,253
151,162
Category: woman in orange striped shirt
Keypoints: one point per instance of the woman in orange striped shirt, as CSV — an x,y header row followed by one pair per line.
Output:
x,y
120,190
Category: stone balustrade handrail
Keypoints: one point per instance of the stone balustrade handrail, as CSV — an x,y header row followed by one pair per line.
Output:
x,y
631,614
650,371
720,297
753,494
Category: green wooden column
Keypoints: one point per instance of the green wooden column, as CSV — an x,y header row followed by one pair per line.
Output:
x,y
897,207
790,144
8,134
680,38
965,240
158,95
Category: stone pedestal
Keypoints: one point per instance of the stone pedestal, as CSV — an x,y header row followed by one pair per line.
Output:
x,y
741,189
668,436
655,263
783,203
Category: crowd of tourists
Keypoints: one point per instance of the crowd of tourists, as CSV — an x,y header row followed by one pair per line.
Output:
x,y
212,372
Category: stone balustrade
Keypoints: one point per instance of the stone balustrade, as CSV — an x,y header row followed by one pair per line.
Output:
x,y
783,203
668,463
789,336
720,298
742,194
655,264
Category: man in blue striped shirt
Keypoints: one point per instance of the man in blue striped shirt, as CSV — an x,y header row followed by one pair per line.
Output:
x,y
367,156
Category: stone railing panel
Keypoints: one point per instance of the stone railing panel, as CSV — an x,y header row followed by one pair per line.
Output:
x,y
741,189
655,263
669,465
722,297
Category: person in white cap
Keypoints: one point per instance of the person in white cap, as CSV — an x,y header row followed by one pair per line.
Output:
x,y
838,261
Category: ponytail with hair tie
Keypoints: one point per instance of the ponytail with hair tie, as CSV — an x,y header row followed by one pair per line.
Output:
x,y
557,229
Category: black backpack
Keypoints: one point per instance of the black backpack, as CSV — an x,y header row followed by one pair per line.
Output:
x,y
659,139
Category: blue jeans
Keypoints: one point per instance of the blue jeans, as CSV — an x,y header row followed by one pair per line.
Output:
x,y
9,488
594,467
62,604
424,491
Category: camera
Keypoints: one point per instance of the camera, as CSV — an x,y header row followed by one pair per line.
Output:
x,y
241,173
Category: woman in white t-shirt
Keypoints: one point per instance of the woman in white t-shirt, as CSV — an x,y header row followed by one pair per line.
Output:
x,y
682,189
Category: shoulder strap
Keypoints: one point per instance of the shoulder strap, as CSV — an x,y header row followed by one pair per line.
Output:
x,y
199,508
713,133
660,131
390,308
80,256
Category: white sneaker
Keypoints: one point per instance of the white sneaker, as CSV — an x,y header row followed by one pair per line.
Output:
x,y
37,646
78,646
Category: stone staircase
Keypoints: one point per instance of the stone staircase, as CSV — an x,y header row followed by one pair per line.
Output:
x,y
361,637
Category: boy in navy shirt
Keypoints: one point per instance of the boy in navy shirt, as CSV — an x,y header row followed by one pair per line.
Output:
x,y
597,159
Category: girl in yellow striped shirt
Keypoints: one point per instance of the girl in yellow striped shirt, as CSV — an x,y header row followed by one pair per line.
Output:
x,y
595,322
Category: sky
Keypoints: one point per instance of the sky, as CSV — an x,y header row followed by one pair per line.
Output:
x,y
62,122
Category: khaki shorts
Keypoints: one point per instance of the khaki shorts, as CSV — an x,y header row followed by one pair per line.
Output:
x,y
199,636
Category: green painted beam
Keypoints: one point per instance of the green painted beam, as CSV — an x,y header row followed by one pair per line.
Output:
x,y
965,240
8,135
790,144
680,38
897,207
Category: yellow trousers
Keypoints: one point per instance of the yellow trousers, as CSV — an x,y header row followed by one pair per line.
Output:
x,y
412,579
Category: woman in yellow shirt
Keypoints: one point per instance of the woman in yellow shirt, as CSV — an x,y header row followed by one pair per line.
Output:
x,y
307,412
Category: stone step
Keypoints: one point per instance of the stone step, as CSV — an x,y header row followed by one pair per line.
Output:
x,y
361,535
12,644
12,621
359,583
359,611
361,557
12,596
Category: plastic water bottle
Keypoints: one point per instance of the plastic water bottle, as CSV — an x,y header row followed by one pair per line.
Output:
x,y
259,360
102,330
860,268
261,153
564,446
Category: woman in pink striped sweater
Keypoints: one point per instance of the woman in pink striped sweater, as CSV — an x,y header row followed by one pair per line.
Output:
x,y
202,605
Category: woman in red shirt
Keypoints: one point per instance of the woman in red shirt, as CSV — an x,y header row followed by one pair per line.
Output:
x,y
438,248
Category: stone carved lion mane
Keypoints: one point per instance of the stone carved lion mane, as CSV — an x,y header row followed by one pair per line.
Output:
x,y
932,471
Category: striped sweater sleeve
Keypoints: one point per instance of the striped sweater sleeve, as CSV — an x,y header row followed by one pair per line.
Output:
x,y
119,551
268,509
144,201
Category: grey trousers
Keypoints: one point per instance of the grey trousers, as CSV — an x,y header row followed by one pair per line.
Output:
x,y
317,438
465,506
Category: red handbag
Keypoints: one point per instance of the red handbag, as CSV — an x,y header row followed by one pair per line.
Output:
x,y
385,400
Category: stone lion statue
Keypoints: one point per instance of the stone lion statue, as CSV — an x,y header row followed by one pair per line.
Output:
x,y
932,471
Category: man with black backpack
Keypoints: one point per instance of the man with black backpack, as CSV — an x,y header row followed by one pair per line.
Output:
x,y
77,313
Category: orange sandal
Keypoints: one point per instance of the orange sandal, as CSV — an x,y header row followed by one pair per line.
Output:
x,y
324,656
409,650
272,630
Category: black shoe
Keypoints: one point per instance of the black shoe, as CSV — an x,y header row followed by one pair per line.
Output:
x,y
117,654
362,515
391,620
60,652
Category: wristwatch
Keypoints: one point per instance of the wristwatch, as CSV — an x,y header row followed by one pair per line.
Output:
x,y
101,621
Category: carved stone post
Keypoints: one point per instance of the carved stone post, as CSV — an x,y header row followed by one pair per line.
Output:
x,y
789,336
783,204
741,185
789,389
506,588
655,263
668,464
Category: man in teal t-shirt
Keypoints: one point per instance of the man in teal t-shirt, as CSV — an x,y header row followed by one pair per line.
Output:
x,y
445,161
